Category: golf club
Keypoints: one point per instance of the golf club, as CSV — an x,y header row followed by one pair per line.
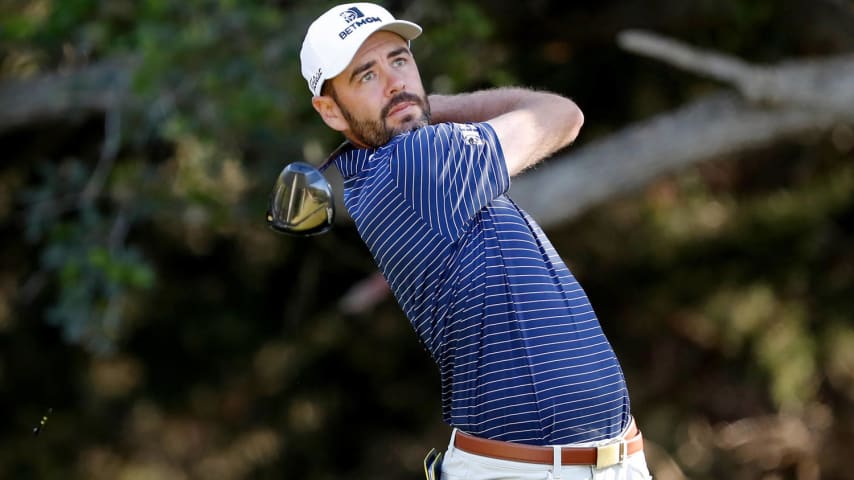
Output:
x,y
302,202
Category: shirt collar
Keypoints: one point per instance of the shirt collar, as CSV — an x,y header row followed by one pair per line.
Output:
x,y
352,160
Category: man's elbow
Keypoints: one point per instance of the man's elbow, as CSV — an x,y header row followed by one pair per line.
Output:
x,y
574,122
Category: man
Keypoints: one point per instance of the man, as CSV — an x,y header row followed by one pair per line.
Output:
x,y
529,381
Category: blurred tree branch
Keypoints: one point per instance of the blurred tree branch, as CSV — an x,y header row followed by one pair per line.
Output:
x,y
98,87
776,102
820,84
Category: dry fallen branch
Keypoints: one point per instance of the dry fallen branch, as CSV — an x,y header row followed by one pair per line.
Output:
x,y
780,441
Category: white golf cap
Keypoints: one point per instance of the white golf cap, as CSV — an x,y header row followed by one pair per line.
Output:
x,y
333,39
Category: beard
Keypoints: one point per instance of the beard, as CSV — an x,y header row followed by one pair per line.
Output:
x,y
376,133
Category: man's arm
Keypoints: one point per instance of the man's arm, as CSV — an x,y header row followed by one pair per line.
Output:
x,y
531,125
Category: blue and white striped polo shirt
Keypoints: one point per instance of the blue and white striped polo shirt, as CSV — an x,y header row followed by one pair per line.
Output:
x,y
520,351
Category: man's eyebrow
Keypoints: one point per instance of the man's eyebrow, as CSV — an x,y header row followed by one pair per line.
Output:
x,y
360,69
369,65
399,51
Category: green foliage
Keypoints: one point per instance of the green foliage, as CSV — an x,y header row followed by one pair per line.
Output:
x,y
174,336
218,68
95,285
97,274
218,80
448,67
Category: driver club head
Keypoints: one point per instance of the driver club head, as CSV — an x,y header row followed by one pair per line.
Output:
x,y
302,202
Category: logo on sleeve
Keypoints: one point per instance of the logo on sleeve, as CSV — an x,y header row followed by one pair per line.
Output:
x,y
470,134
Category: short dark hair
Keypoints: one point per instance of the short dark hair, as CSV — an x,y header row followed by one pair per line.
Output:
x,y
327,89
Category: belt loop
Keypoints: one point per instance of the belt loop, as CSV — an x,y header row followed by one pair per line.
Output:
x,y
558,462
453,439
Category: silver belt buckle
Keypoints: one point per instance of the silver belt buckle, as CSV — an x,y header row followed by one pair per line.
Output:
x,y
611,454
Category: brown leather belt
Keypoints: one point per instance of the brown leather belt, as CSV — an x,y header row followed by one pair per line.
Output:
x,y
602,457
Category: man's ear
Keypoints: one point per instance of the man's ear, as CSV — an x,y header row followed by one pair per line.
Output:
x,y
329,112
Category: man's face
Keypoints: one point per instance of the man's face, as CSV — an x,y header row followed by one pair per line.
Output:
x,y
380,93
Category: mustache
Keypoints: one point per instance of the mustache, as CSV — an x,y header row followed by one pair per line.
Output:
x,y
401,98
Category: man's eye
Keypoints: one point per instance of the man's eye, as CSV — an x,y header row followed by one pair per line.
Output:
x,y
367,77
399,62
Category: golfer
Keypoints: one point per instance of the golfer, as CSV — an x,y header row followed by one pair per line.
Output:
x,y
530,384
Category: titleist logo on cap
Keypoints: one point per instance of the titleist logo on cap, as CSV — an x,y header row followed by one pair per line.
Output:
x,y
315,78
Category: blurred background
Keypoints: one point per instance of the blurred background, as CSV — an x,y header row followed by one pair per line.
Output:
x,y
153,327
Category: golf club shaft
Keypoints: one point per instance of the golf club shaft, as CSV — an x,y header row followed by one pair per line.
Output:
x,y
326,163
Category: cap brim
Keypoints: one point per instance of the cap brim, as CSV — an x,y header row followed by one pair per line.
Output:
x,y
407,30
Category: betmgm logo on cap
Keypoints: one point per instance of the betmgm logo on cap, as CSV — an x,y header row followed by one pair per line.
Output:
x,y
334,38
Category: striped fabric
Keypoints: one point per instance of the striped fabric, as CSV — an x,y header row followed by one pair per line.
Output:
x,y
520,351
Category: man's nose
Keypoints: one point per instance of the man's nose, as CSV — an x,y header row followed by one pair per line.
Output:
x,y
396,83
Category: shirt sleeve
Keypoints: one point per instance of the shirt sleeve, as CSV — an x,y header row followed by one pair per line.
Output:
x,y
449,172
